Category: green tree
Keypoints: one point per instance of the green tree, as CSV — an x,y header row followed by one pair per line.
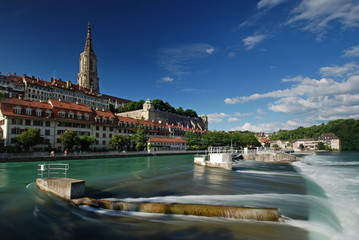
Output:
x,y
180,111
85,142
119,142
321,146
190,113
69,139
2,96
191,138
139,137
29,138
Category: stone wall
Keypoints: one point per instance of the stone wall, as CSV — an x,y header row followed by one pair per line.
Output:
x,y
168,118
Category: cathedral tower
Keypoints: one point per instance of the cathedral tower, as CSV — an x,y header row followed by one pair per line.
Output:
x,y
87,77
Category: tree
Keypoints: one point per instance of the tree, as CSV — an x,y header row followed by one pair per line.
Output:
x,y
321,146
139,137
180,111
191,138
69,139
29,138
85,142
119,142
190,113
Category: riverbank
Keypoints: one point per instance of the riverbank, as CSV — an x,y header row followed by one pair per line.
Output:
x,y
91,155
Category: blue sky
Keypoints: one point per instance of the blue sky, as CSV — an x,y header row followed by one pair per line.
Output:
x,y
252,65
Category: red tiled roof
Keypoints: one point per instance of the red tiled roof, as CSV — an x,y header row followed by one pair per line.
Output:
x,y
167,140
70,106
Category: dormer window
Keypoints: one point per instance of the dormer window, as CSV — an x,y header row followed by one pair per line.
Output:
x,y
98,119
87,117
62,114
71,115
38,112
111,121
48,113
79,116
17,110
28,111
104,120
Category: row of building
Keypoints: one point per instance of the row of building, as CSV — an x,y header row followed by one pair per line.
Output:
x,y
53,117
328,139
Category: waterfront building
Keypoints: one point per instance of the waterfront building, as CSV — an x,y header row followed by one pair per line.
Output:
x,y
53,117
331,140
308,143
168,144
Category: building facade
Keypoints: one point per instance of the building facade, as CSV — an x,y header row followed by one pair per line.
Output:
x,y
54,117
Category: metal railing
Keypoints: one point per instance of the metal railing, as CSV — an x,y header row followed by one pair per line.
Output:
x,y
52,169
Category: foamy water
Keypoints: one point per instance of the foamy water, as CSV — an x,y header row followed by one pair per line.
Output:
x,y
339,177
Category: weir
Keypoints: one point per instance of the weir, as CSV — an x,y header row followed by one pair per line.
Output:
x,y
74,190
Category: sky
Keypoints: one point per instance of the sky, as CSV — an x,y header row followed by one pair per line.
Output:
x,y
257,65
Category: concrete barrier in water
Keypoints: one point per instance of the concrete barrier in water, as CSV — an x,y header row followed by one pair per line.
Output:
x,y
66,188
74,190
248,213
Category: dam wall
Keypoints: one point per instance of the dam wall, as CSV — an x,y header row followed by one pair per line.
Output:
x,y
275,157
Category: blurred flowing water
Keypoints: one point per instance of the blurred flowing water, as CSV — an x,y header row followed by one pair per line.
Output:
x,y
307,208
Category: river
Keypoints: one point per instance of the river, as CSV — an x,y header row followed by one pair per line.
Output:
x,y
317,199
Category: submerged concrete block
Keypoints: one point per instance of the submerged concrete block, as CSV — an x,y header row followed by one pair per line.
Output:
x,y
67,188
248,213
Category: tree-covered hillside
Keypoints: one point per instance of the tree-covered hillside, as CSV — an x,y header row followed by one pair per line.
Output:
x,y
346,129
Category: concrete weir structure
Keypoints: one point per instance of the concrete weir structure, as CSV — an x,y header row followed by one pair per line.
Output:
x,y
66,188
74,190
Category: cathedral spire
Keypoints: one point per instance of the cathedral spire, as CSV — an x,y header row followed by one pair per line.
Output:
x,y
88,45
87,77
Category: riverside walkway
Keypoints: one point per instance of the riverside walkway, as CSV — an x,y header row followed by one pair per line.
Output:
x,y
45,156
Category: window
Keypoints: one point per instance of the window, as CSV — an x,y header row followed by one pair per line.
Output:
x,y
79,116
38,112
62,114
111,129
28,111
17,110
103,142
97,135
71,115
58,140
97,128
47,124
111,121
110,135
47,132
104,135
38,123
104,128
28,122
104,120
48,113
97,142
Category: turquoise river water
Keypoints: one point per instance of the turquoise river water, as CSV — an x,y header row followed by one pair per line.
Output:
x,y
317,198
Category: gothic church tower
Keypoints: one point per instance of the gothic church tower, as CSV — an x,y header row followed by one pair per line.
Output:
x,y
87,77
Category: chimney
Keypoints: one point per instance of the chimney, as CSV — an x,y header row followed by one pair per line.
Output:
x,y
20,96
37,80
51,79
60,100
68,84
77,102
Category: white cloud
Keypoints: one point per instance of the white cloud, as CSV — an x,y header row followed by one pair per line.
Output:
x,y
251,41
352,52
318,99
210,50
232,55
260,111
237,114
269,127
166,79
268,3
216,117
233,119
294,79
316,15
176,60
347,69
